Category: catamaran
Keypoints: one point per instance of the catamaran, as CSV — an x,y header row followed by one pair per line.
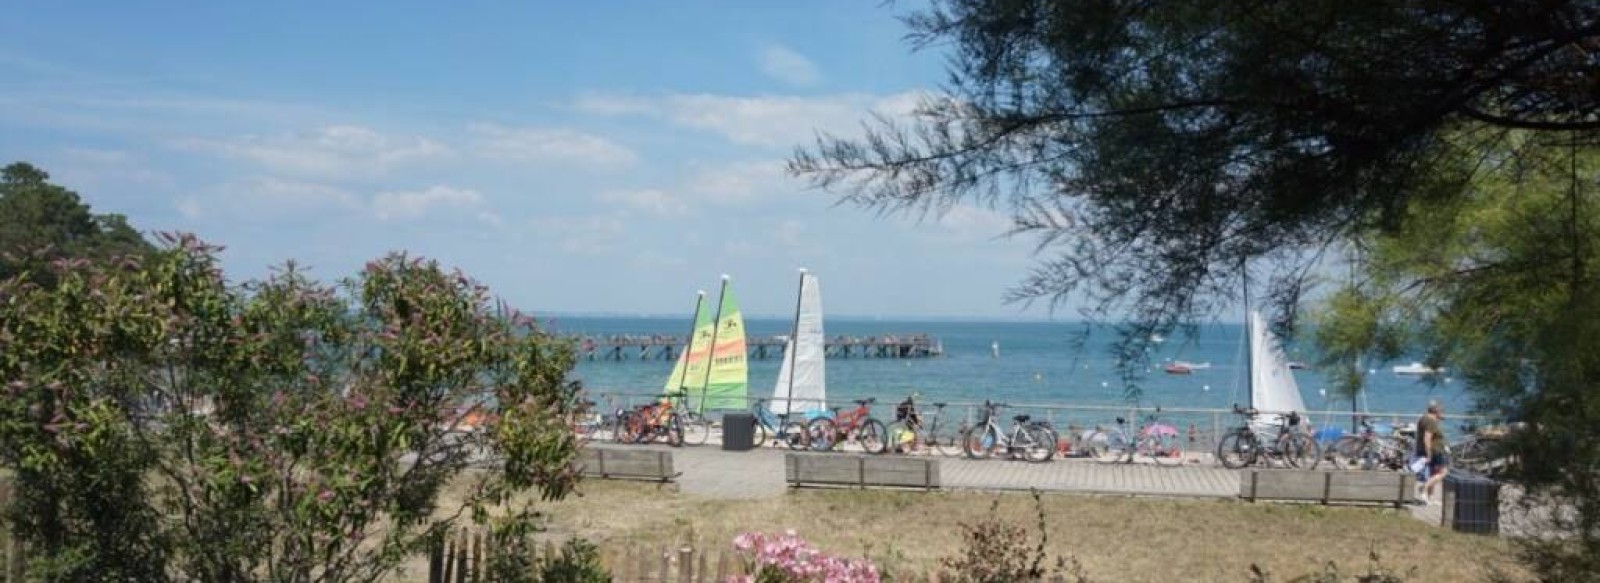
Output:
x,y
802,385
1272,385
727,377
711,372
689,374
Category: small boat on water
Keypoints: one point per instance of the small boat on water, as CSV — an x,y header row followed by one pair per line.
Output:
x,y
1416,369
1296,365
1185,367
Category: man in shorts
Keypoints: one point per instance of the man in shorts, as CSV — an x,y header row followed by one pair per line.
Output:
x,y
1431,445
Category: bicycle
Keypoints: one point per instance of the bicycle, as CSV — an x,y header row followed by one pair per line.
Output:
x,y
1484,450
1036,442
646,423
1156,440
696,428
927,433
779,427
1242,446
1368,449
825,433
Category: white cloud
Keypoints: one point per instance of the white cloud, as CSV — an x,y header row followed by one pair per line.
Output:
x,y
740,248
549,145
332,151
387,206
592,236
189,207
740,182
97,155
293,194
788,66
789,233
768,121
651,201
967,223
104,170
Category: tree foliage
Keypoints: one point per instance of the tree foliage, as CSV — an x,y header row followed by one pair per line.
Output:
x,y
1155,147
162,424
1503,286
40,221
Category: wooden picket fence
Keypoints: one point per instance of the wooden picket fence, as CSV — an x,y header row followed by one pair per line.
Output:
x,y
462,558
12,559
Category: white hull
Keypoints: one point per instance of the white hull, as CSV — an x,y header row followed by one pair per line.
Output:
x,y
1416,369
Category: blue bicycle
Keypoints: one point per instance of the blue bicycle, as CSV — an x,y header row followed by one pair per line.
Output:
x,y
791,433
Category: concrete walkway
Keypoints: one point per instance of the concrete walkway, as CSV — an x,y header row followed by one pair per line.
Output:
x,y
709,471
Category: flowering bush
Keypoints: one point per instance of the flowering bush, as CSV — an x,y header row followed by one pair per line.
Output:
x,y
787,558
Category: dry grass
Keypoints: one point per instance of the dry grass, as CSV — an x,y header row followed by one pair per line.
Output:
x,y
1115,538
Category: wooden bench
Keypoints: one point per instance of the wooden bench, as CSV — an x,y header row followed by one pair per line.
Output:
x,y
861,471
1328,487
628,464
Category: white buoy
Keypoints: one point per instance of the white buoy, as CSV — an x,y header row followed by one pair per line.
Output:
x,y
1206,388
994,349
1104,384
1323,392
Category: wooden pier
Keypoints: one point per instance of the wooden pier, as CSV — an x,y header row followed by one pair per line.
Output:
x,y
665,346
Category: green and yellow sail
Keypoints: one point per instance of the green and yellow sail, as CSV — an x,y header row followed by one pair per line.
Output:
x,y
689,374
728,378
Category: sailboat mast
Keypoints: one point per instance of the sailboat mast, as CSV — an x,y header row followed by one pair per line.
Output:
x,y
688,347
716,325
794,342
1249,338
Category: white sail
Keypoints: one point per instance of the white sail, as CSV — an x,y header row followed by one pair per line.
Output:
x,y
1272,384
802,378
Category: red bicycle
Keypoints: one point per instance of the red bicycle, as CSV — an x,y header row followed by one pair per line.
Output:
x,y
857,424
648,422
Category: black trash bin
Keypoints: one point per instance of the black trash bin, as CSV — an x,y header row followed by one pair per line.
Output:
x,y
1471,503
738,431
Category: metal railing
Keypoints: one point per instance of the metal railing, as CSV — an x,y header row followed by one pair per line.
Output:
x,y
1200,428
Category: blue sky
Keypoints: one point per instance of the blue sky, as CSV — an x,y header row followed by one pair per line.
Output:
x,y
576,157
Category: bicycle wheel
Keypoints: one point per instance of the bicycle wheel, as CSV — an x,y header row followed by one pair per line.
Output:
x,y
821,434
674,431
1236,450
1345,451
758,435
623,429
794,435
873,436
940,441
978,442
1117,448
1039,444
695,430
1300,451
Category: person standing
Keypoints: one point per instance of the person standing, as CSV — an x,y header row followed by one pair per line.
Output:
x,y
1431,445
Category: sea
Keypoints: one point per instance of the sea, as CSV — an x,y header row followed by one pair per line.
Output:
x,y
1027,364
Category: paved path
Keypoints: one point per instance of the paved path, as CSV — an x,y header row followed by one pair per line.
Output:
x,y
709,471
